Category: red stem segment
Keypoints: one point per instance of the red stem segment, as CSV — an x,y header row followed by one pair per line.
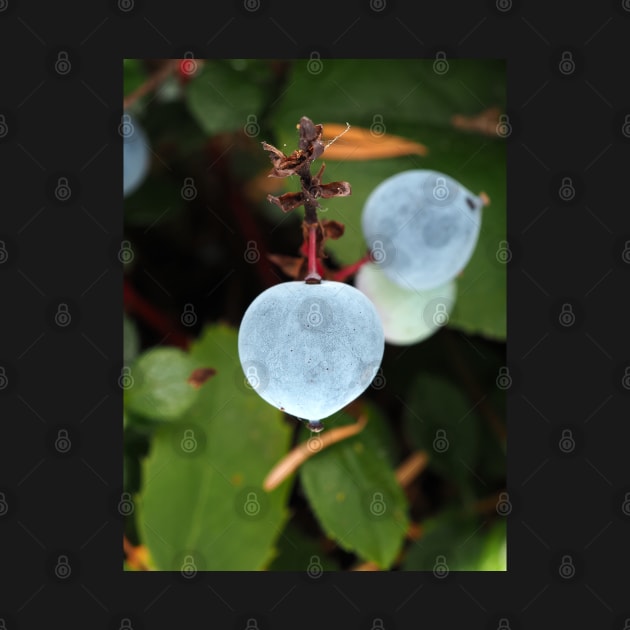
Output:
x,y
163,325
312,277
350,270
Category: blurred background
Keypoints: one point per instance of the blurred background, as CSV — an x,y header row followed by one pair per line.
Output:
x,y
422,486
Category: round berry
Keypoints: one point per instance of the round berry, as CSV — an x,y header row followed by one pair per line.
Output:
x,y
310,349
422,227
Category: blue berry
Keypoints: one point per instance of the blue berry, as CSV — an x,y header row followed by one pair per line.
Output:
x,y
136,155
310,349
422,228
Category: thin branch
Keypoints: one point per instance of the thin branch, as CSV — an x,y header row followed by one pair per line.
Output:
x,y
294,459
152,82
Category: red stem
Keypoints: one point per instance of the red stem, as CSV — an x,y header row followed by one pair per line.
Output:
x,y
350,270
146,312
312,277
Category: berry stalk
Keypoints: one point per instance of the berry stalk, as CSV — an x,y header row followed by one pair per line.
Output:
x,y
312,277
310,148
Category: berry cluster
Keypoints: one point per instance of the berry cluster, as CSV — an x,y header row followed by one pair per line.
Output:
x,y
422,228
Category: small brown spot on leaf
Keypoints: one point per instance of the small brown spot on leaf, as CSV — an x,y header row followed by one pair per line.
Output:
x,y
200,376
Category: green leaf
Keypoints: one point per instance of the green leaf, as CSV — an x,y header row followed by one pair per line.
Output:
x,y
417,104
353,491
441,420
295,551
134,75
463,541
221,97
160,390
494,554
202,494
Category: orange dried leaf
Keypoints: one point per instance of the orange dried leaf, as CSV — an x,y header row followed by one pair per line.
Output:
x,y
485,122
138,558
358,143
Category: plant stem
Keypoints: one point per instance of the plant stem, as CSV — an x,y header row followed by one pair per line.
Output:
x,y
152,83
312,277
350,270
310,218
